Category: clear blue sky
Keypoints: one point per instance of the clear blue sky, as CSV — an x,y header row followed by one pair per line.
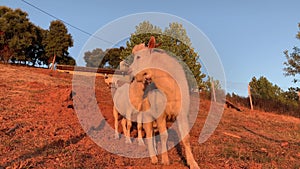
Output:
x,y
249,36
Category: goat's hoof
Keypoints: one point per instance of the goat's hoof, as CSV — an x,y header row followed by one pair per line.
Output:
x,y
128,141
141,142
117,136
165,161
154,160
194,165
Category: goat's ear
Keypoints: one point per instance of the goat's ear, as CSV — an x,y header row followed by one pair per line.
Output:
x,y
151,43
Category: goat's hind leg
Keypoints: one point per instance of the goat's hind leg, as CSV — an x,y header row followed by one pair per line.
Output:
x,y
116,116
128,126
183,125
128,139
150,141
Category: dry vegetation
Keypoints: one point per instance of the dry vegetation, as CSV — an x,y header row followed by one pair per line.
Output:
x,y
39,129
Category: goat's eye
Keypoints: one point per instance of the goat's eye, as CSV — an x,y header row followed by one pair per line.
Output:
x,y
137,57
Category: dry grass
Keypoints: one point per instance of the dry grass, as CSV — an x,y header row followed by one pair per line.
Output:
x,y
39,129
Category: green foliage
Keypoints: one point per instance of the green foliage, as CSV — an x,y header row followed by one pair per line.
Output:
x,y
98,58
262,88
57,41
177,33
67,60
22,41
35,52
17,33
142,35
174,40
112,57
291,94
94,58
208,84
270,97
219,91
293,61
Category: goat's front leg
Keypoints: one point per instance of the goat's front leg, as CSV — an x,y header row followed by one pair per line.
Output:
x,y
124,122
149,136
162,128
116,115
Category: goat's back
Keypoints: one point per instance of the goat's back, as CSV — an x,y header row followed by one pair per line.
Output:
x,y
121,99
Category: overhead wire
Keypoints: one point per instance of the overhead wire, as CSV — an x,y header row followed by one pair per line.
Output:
x,y
229,84
69,24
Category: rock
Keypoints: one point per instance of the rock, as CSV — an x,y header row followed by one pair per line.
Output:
x,y
284,144
264,150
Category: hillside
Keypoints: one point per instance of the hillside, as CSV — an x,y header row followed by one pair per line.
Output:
x,y
40,129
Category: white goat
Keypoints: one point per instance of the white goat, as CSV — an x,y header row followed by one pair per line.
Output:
x,y
128,102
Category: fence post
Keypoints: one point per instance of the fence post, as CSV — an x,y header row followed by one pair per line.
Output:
x,y
250,98
213,90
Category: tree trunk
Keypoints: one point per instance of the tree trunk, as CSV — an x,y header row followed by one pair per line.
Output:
x,y
53,61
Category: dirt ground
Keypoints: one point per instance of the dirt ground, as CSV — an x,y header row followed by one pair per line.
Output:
x,y
39,128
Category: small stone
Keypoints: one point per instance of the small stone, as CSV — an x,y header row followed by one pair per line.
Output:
x,y
284,144
264,150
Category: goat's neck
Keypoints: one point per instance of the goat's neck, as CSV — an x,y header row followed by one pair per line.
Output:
x,y
136,92
168,86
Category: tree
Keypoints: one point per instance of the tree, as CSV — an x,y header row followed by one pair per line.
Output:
x,y
22,41
292,94
57,42
66,59
264,89
219,91
17,34
141,35
34,53
174,40
293,61
112,57
178,34
272,98
94,58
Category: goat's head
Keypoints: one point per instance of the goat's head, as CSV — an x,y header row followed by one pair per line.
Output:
x,y
142,62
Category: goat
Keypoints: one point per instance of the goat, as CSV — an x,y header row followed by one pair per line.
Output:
x,y
127,102
169,77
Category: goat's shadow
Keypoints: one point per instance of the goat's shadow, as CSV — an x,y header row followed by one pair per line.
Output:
x,y
98,128
270,139
57,144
